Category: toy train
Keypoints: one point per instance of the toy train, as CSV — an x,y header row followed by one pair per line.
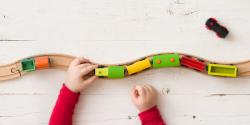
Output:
x,y
167,60
156,61
31,64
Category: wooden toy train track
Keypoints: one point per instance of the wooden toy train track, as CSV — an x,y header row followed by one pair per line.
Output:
x,y
161,60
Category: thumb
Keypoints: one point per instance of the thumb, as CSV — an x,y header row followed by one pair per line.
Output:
x,y
88,81
134,94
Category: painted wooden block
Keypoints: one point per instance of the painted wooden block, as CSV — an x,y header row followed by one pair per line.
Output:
x,y
138,66
101,71
222,70
116,71
193,63
28,65
42,62
166,60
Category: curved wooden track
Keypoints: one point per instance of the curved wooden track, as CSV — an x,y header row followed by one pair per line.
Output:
x,y
57,61
62,61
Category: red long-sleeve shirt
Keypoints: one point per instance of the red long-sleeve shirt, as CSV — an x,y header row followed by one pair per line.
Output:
x,y
65,105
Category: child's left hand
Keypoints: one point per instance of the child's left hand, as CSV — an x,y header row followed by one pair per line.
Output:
x,y
76,74
144,97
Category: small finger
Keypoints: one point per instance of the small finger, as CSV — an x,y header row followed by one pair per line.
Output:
x,y
78,61
140,90
134,94
81,66
148,88
88,69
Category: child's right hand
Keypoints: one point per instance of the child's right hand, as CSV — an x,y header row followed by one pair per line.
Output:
x,y
78,70
144,97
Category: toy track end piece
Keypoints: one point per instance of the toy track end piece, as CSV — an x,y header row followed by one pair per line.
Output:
x,y
212,24
222,70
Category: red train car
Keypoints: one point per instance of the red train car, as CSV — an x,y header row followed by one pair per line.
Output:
x,y
193,63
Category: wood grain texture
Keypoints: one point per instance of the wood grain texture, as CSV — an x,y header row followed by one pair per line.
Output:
x,y
116,31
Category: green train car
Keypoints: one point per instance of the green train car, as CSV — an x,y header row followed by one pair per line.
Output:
x,y
110,72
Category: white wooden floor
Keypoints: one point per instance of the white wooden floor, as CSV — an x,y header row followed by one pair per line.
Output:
x,y
115,31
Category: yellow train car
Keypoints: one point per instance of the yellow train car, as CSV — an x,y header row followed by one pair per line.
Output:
x,y
101,72
138,66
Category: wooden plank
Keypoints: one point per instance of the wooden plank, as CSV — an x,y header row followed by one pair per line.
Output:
x,y
116,31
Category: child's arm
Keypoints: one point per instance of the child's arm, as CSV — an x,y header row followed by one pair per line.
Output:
x,y
64,108
76,81
145,98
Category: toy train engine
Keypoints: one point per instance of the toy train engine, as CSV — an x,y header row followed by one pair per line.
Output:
x,y
110,72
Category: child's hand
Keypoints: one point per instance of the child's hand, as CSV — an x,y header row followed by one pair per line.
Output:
x,y
76,79
144,97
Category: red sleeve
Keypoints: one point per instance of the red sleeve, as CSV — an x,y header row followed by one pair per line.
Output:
x,y
151,117
64,108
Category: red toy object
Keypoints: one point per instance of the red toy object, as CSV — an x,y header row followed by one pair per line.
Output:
x,y
193,63
212,24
